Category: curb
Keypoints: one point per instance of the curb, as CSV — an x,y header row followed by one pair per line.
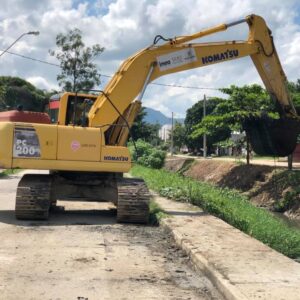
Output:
x,y
227,289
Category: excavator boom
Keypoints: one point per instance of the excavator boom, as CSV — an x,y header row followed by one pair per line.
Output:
x,y
178,55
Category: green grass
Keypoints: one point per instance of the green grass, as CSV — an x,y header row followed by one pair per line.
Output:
x,y
8,172
226,204
156,213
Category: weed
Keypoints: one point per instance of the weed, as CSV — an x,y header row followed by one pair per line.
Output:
x,y
156,213
226,204
8,172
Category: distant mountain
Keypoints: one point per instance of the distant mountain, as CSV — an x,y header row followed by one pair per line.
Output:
x,y
154,116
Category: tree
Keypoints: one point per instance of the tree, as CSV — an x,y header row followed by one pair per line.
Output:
x,y
179,135
243,102
249,101
145,131
194,117
78,72
15,91
294,89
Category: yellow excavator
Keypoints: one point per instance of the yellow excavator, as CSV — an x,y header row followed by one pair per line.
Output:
x,y
85,150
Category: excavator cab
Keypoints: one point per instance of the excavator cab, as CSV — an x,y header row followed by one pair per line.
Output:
x,y
71,108
77,110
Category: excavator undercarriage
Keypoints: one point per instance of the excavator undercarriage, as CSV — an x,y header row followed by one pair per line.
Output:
x,y
38,193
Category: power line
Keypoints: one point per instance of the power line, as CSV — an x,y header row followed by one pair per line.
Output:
x,y
34,59
186,87
175,85
110,76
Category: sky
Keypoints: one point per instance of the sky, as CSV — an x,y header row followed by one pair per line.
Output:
x,y
124,27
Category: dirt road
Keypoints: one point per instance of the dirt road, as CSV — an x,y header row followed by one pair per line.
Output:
x,y
275,162
81,253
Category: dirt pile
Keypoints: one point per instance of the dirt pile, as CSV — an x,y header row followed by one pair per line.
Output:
x,y
178,165
266,186
229,174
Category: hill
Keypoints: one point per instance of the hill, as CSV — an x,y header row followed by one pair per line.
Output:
x,y
154,116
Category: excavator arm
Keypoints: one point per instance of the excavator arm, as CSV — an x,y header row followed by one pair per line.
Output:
x,y
178,55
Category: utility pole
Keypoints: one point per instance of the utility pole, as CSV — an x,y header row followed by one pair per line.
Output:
x,y
172,131
290,162
204,135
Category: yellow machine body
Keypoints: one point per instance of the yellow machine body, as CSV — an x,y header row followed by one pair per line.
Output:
x,y
56,147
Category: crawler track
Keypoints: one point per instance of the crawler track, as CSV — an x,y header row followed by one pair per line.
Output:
x,y
133,201
33,198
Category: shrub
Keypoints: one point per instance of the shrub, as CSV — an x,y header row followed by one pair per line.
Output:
x,y
146,155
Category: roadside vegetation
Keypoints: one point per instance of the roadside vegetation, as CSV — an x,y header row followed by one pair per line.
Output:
x,y
15,91
156,213
147,155
8,172
287,182
226,204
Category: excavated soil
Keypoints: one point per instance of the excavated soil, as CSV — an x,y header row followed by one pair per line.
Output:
x,y
265,185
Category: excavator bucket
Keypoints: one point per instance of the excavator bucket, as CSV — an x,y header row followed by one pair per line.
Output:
x,y
275,137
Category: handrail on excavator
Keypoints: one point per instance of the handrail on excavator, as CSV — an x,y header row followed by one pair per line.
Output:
x,y
200,34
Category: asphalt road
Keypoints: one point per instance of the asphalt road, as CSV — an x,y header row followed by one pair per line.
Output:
x,y
81,253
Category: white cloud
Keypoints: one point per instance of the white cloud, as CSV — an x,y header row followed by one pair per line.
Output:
x,y
42,83
126,26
